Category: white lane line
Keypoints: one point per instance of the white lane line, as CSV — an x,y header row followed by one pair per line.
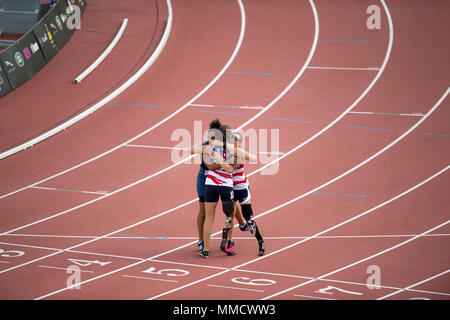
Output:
x,y
235,238
414,285
314,45
335,281
104,101
62,268
316,21
235,288
207,87
299,74
147,278
225,271
70,190
316,36
357,262
28,246
307,239
389,113
356,102
5,262
262,214
345,68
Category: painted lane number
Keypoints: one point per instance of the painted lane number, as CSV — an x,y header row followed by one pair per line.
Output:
x,y
167,272
11,253
253,282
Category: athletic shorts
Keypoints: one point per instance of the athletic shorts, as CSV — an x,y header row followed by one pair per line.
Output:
x,y
201,178
212,193
243,195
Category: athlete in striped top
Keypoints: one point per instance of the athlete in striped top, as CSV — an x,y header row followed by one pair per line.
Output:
x,y
240,180
242,194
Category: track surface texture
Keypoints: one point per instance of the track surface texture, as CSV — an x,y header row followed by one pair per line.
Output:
x,y
356,190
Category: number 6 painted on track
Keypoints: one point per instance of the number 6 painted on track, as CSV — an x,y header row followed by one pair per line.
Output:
x,y
254,282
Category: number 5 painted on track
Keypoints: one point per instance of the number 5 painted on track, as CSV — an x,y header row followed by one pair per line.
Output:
x,y
167,272
11,253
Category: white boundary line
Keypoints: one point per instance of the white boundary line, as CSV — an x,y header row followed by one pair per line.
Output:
x,y
236,238
257,115
267,255
357,262
311,53
207,87
378,75
391,38
105,53
307,239
102,102
238,270
336,281
193,200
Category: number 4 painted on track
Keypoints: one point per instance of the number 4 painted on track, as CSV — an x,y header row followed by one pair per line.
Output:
x,y
329,288
87,263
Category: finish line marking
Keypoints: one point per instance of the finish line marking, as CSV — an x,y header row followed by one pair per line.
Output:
x,y
140,237
215,238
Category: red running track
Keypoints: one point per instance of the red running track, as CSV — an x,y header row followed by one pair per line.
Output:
x,y
361,182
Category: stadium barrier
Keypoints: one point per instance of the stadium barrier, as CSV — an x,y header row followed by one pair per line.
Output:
x,y
22,60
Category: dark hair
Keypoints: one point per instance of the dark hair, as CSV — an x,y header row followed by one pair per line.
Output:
x,y
226,132
215,124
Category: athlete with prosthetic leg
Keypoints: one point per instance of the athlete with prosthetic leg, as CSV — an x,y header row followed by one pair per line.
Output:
x,y
241,188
